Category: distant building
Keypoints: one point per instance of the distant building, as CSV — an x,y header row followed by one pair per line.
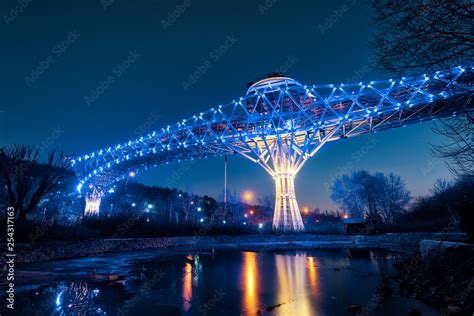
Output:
x,y
354,225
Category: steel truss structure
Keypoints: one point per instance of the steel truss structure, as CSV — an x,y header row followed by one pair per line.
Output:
x,y
279,124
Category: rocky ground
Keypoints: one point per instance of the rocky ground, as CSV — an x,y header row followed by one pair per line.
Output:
x,y
445,281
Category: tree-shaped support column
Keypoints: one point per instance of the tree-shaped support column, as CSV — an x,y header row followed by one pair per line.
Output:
x,y
287,214
283,156
93,199
273,138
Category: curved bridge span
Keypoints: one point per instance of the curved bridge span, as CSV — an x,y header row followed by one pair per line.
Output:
x,y
279,124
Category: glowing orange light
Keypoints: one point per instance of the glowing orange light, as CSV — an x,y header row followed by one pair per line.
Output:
x,y
248,196
251,212
306,210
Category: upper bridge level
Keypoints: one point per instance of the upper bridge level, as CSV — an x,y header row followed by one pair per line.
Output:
x,y
275,108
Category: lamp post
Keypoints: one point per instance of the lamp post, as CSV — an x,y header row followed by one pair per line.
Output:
x,y
132,174
248,196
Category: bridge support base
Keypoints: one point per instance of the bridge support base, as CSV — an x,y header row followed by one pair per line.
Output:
x,y
93,200
287,216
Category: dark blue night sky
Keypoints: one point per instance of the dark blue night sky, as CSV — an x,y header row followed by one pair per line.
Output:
x,y
79,76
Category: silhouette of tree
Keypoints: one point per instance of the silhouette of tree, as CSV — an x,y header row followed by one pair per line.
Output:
x,y
26,180
417,36
392,197
373,196
440,186
450,204
458,148
267,200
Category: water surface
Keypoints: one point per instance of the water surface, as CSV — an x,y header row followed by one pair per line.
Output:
x,y
229,283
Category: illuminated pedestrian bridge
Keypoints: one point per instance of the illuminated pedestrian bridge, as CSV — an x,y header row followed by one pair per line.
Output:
x,y
279,124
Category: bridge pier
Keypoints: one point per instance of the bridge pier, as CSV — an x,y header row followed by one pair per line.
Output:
x,y
93,199
277,145
287,216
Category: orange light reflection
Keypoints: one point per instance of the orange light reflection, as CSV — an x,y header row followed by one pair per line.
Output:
x,y
187,285
293,281
313,281
249,281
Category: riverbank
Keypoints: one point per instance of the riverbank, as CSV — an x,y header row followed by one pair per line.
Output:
x,y
444,281
399,242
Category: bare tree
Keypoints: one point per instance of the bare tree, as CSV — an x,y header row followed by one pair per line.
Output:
x,y
235,207
392,197
355,193
184,202
440,186
378,195
26,180
267,200
416,36
458,149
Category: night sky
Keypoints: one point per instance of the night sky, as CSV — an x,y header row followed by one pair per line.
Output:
x,y
57,57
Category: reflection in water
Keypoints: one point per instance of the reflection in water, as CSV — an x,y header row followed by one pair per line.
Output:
x,y
292,284
197,270
77,299
293,274
250,280
313,281
188,284
288,283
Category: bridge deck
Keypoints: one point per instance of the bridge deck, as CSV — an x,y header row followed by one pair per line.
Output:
x,y
305,116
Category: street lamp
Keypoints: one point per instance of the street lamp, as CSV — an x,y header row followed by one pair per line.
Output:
x,y
131,174
248,196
